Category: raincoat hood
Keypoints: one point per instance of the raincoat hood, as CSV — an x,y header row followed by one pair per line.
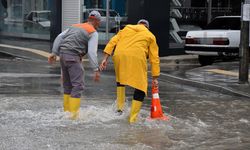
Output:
x,y
137,28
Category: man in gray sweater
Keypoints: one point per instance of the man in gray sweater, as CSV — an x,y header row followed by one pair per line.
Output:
x,y
71,45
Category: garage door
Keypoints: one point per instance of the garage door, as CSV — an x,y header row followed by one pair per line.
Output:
x,y
71,12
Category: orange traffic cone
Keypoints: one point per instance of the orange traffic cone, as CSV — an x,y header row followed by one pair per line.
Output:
x,y
156,110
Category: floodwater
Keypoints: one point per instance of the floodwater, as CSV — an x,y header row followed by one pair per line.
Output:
x,y
31,115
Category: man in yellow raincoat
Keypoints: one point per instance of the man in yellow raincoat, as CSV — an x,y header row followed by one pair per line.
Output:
x,y
131,47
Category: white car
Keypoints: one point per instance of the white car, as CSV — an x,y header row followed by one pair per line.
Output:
x,y
37,20
221,38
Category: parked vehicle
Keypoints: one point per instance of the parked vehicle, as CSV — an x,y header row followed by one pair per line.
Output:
x,y
114,19
184,28
220,39
37,20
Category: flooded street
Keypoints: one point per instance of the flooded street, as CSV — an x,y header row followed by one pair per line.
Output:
x,y
31,115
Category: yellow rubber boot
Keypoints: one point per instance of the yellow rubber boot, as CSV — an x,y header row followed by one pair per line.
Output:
x,y
135,109
74,106
66,102
120,100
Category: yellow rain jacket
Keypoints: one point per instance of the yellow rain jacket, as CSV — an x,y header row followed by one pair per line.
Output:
x,y
131,47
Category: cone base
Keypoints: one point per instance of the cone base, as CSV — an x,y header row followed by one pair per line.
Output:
x,y
164,118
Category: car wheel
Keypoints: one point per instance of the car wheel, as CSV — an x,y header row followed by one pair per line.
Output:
x,y
206,60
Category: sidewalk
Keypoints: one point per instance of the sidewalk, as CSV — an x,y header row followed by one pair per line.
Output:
x,y
220,77
224,75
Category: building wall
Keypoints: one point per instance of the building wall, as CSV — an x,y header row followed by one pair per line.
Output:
x,y
72,13
17,24
19,28
117,5
166,17
157,13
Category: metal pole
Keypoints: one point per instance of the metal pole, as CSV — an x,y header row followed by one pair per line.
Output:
x,y
56,19
209,11
244,48
107,19
96,4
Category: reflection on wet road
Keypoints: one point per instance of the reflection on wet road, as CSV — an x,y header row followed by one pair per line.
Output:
x,y
31,115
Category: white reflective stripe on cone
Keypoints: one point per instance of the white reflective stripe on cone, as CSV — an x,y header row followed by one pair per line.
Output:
x,y
156,95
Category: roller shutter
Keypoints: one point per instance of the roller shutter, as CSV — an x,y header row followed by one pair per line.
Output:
x,y
71,12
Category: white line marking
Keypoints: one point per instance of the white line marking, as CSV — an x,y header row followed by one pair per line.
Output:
x,y
35,51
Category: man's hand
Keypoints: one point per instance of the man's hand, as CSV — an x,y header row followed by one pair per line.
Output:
x,y
52,58
103,65
97,76
155,82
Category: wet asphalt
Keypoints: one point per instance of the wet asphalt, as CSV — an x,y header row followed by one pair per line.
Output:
x,y
31,115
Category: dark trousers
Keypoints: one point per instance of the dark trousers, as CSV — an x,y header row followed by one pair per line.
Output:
x,y
138,94
72,72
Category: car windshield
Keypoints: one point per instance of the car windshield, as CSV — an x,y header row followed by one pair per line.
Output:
x,y
111,13
224,24
44,16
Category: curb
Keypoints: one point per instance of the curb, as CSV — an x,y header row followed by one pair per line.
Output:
x,y
4,54
206,86
20,52
179,59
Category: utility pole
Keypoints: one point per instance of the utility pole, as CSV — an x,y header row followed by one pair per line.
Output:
x,y
107,19
209,11
244,43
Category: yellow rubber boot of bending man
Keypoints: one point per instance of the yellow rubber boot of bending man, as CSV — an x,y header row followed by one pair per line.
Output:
x,y
74,106
135,109
120,98
66,102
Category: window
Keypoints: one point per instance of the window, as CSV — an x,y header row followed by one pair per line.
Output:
x,y
225,23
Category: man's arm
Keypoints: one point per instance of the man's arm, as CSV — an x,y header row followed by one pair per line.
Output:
x,y
57,42
56,47
92,51
154,60
92,54
109,49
